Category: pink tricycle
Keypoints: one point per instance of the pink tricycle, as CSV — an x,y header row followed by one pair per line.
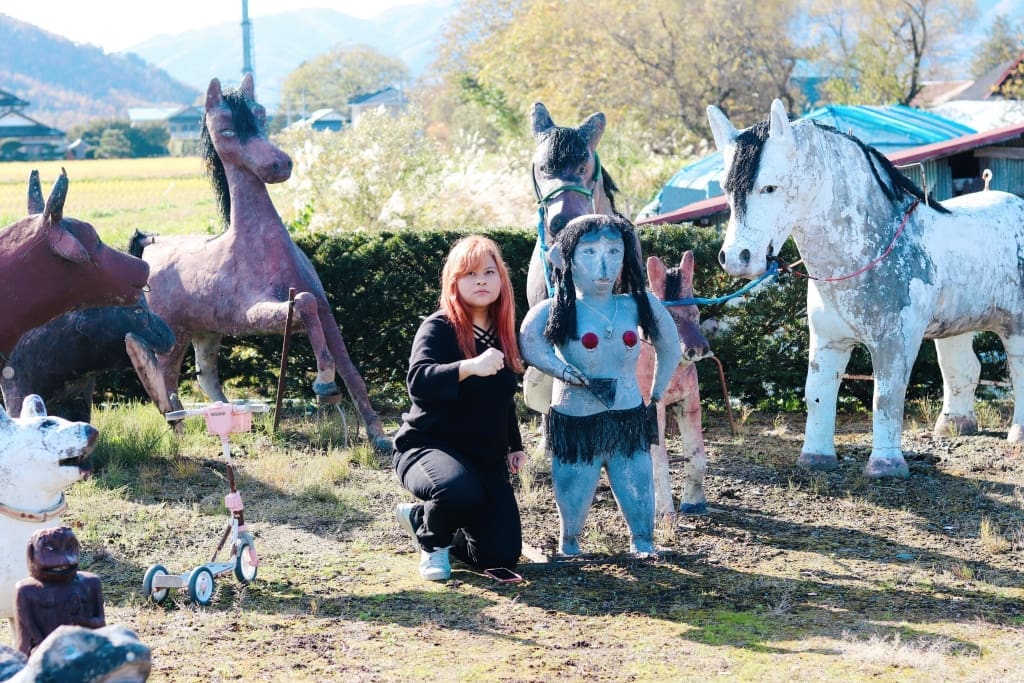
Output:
x,y
222,419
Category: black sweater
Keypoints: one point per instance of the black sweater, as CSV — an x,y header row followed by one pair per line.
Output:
x,y
476,417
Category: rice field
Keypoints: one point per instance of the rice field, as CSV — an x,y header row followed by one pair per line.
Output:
x,y
163,195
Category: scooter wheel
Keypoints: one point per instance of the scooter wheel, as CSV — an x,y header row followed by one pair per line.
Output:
x,y
245,566
160,594
200,586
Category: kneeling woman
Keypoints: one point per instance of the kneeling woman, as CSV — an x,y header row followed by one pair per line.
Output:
x,y
460,439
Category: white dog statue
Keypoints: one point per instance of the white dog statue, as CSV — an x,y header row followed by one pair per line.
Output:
x,y
39,457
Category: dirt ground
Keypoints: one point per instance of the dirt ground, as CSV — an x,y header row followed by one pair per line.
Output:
x,y
792,576
914,549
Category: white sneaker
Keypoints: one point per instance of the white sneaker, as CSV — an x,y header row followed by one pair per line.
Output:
x,y
403,513
434,565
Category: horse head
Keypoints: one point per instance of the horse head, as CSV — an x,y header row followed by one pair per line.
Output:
x,y
771,183
234,136
673,285
567,176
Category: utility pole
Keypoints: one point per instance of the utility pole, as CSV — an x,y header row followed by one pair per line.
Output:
x,y
246,40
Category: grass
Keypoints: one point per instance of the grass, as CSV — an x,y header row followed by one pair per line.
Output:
x,y
167,195
338,598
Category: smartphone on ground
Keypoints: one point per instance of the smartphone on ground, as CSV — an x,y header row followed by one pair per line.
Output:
x,y
503,575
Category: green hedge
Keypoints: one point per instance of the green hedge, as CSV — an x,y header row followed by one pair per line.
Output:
x,y
381,284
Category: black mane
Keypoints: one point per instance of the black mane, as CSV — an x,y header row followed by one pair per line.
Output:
x,y
747,160
568,150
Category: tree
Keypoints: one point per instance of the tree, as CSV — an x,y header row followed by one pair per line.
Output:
x,y
882,49
331,80
114,144
1004,41
655,65
148,140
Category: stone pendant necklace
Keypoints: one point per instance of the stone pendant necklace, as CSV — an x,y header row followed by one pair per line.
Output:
x,y
610,329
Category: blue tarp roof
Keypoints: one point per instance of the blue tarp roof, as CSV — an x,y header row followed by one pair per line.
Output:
x,y
888,128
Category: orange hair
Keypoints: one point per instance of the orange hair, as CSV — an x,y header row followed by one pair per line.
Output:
x,y
465,256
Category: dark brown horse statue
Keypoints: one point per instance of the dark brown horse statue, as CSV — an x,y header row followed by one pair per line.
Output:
x,y
237,282
50,264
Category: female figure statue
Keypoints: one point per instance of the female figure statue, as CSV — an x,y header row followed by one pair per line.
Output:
x,y
588,337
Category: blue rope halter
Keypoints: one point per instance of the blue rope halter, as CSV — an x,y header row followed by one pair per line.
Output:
x,y
542,203
773,271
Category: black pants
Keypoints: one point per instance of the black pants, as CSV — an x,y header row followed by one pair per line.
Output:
x,y
467,506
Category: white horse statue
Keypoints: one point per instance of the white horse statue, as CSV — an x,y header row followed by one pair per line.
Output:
x,y
886,267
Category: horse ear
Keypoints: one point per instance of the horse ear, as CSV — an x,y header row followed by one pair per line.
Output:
x,y
656,275
541,119
248,88
35,193
214,98
33,406
686,268
5,420
778,124
593,129
721,128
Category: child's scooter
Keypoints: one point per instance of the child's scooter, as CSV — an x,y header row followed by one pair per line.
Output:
x,y
222,419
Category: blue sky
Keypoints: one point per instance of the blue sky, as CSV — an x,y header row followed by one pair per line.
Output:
x,y
118,24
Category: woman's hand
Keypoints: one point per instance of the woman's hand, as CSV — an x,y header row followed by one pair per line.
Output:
x,y
570,375
516,460
486,364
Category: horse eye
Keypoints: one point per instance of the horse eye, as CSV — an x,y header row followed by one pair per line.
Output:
x,y
228,132
768,189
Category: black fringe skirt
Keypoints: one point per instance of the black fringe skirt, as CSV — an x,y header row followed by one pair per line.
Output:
x,y
574,439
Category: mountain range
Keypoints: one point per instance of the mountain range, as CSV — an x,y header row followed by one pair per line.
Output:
x,y
68,83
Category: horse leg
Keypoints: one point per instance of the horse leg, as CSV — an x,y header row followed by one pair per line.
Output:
x,y
352,380
574,485
1013,344
632,483
827,360
207,347
892,358
960,372
659,461
687,414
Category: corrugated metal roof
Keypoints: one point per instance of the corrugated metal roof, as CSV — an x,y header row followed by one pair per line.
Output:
x,y
936,150
888,128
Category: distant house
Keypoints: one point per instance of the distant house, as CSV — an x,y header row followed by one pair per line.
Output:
x,y
321,120
980,104
183,124
391,99
24,138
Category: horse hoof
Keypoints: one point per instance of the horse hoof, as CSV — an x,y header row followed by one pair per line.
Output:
x,y
878,468
955,425
643,549
1016,434
569,548
325,388
817,461
383,444
693,508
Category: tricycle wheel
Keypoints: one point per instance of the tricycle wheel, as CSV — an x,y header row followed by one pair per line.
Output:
x,y
245,562
160,594
200,586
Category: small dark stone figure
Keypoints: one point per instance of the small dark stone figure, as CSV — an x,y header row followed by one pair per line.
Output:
x,y
56,593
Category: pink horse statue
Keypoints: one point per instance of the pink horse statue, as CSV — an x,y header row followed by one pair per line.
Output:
x,y
237,282
50,264
683,393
